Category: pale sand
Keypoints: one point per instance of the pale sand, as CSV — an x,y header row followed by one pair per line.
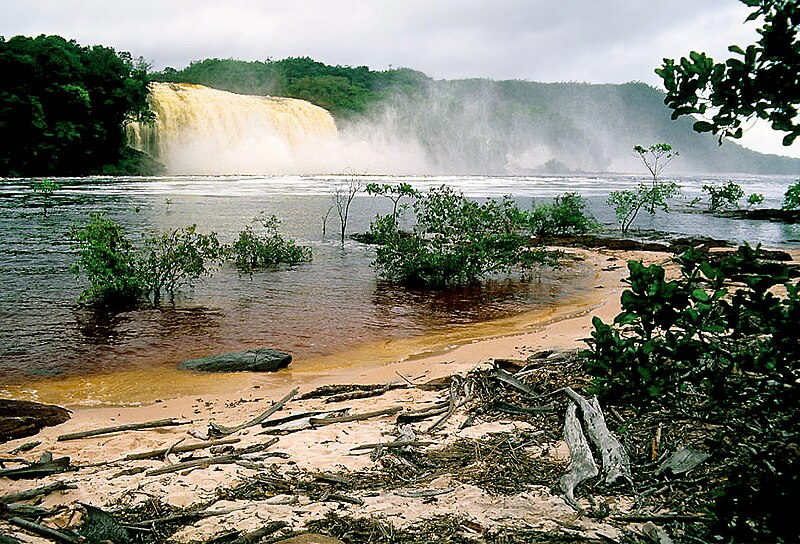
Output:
x,y
230,400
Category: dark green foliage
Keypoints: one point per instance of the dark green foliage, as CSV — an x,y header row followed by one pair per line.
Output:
x,y
63,107
718,344
761,80
253,251
109,261
724,196
177,258
565,216
456,241
791,199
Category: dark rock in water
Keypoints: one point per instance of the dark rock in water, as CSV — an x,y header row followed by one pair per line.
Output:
x,y
21,418
251,360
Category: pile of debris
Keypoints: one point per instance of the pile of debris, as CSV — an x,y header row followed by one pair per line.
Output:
x,y
607,484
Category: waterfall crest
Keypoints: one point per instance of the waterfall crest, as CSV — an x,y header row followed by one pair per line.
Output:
x,y
199,130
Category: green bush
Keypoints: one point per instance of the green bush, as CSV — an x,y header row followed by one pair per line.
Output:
x,y
724,196
109,261
791,199
253,251
565,216
718,345
177,258
456,241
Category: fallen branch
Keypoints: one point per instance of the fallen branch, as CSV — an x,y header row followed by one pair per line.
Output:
x,y
36,491
155,454
251,537
220,430
509,379
43,531
424,493
317,422
395,444
127,427
208,461
455,386
44,467
419,415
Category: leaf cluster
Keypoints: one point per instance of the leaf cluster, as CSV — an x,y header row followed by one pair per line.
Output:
x,y
791,199
457,240
122,273
760,81
717,344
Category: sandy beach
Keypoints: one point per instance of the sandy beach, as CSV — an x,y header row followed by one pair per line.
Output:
x,y
108,478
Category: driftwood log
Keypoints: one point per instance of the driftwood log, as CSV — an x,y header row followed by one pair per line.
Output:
x,y
120,428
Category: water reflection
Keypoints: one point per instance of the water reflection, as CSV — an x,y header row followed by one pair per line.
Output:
x,y
316,309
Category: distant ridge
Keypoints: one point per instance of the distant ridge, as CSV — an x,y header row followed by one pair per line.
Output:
x,y
491,127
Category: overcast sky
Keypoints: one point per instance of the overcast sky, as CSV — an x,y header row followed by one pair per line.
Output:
x,y
596,41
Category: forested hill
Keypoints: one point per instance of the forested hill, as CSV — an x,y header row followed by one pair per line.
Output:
x,y
63,108
486,126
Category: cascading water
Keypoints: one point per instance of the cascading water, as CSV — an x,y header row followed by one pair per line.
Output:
x,y
199,130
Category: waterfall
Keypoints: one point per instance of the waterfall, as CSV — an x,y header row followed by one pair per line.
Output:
x,y
199,130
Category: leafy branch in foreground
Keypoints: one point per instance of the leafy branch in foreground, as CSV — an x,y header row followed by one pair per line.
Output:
x,y
761,81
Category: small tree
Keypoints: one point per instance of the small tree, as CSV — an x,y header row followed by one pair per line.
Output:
x,y
109,261
177,258
649,197
395,193
343,195
724,196
254,251
44,190
566,215
791,199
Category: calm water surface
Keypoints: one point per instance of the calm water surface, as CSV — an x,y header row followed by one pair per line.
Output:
x,y
315,309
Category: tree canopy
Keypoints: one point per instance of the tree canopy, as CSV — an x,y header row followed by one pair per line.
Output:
x,y
63,106
760,81
343,90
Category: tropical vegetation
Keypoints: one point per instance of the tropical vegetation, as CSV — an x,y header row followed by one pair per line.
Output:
x,y
63,107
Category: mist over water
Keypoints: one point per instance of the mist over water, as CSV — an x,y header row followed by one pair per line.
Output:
x,y
448,127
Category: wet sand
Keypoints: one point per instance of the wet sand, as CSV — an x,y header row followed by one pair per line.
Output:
x,y
233,399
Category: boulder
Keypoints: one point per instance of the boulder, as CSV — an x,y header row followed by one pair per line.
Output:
x,y
251,360
21,418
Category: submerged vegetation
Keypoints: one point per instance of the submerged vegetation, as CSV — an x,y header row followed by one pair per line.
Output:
x,y
122,273
456,240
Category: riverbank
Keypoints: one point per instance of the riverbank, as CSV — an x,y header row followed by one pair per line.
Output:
x,y
110,479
